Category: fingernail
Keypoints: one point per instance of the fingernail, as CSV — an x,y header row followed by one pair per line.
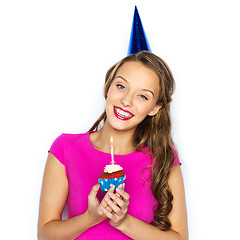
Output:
x,y
110,194
107,198
119,189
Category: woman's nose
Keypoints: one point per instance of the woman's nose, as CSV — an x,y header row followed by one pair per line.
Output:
x,y
127,100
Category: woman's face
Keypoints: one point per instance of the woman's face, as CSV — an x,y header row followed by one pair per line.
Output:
x,y
132,96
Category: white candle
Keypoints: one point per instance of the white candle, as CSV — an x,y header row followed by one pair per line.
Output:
x,y
111,145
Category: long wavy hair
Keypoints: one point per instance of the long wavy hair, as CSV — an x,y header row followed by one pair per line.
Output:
x,y
154,132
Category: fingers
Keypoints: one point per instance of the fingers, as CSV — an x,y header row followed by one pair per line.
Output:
x,y
94,191
125,196
121,186
109,214
120,198
119,195
118,202
117,205
104,203
115,208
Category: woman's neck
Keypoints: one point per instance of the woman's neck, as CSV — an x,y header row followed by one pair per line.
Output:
x,y
122,140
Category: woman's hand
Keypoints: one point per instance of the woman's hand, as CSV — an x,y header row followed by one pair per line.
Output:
x,y
118,204
94,207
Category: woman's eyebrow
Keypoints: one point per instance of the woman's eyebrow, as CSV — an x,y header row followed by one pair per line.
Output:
x,y
122,78
141,89
148,91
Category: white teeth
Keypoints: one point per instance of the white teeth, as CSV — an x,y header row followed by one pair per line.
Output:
x,y
122,113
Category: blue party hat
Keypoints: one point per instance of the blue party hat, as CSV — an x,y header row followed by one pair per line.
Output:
x,y
138,40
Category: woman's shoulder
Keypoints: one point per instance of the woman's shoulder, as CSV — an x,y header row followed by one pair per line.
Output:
x,y
73,135
70,138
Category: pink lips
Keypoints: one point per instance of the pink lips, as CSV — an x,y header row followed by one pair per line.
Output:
x,y
120,116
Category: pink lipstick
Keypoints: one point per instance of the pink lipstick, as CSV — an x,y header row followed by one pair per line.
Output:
x,y
122,114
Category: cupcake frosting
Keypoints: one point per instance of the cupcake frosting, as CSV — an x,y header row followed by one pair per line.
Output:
x,y
112,168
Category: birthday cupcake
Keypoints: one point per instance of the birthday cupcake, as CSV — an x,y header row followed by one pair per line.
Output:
x,y
113,175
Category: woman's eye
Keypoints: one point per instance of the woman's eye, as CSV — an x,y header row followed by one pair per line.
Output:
x,y
143,97
120,86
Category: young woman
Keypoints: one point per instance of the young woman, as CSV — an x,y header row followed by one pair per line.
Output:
x,y
151,204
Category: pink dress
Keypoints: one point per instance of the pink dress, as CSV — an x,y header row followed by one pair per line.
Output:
x,y
83,165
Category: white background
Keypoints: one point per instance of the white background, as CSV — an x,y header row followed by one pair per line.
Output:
x,y
53,59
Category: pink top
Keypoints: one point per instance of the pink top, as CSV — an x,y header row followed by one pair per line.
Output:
x,y
83,164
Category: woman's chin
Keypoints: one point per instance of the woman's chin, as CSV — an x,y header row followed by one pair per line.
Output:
x,y
118,126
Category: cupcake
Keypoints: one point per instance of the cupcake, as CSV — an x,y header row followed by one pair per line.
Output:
x,y
113,175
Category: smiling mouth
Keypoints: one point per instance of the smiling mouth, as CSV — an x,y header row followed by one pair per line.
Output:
x,y
122,114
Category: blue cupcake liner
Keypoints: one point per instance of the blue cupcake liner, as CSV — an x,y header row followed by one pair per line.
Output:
x,y
106,183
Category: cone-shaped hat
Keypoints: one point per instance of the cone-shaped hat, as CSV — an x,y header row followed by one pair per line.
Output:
x,y
138,40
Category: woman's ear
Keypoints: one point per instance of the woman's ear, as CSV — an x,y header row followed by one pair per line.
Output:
x,y
155,109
